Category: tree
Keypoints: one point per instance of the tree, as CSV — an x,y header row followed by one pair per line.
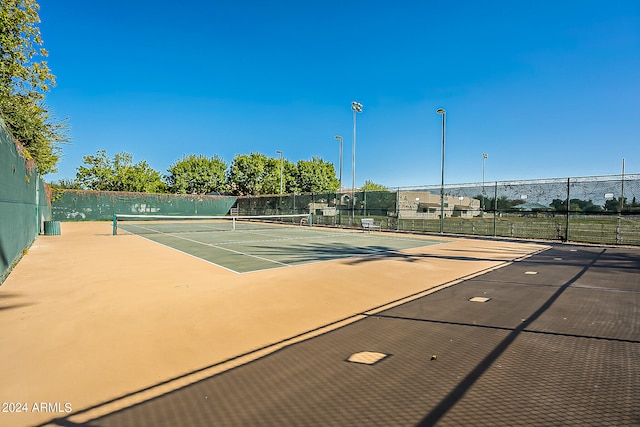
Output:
x,y
247,173
575,205
258,174
372,186
504,203
66,184
290,177
23,83
119,174
270,181
615,205
559,205
578,205
316,176
197,175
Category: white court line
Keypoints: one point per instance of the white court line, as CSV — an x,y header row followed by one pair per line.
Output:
x,y
372,252
279,239
219,247
367,252
183,252
229,250
323,235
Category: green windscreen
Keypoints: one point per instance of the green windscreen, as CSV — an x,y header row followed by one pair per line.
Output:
x,y
23,202
80,205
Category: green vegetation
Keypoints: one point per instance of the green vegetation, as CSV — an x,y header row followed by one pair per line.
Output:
x,y
315,176
251,174
576,205
620,205
197,175
119,174
25,78
372,186
256,174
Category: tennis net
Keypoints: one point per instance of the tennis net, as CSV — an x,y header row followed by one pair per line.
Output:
x,y
170,224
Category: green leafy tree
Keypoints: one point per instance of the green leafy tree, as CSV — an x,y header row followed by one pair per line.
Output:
x,y
584,206
247,173
504,203
634,207
575,205
197,175
270,183
615,205
316,176
372,186
119,174
559,205
66,184
485,202
270,180
256,173
290,177
25,78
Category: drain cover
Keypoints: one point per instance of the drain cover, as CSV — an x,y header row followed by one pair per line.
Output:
x,y
367,357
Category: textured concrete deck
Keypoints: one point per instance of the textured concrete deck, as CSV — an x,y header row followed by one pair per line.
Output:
x,y
560,347
131,333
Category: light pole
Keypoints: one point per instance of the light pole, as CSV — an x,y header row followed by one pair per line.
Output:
x,y
339,138
485,156
444,120
356,107
280,152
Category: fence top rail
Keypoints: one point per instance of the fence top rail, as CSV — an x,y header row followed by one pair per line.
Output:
x,y
144,216
139,194
597,178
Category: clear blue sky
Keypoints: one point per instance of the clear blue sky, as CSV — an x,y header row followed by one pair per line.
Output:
x,y
546,88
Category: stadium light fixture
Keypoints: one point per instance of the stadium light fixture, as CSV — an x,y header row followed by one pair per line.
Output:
x,y
281,161
356,107
339,138
442,112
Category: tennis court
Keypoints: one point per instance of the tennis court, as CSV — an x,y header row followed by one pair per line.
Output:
x,y
121,330
248,244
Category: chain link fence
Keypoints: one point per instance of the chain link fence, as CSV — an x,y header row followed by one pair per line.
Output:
x,y
600,210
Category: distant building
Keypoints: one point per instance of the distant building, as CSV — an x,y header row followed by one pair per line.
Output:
x,y
422,204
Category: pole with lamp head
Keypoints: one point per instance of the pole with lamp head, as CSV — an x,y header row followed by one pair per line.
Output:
x,y
442,112
485,156
356,107
281,161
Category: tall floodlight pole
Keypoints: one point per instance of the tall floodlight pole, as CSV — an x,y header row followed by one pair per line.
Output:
x,y
485,156
281,161
339,138
622,195
356,107
444,120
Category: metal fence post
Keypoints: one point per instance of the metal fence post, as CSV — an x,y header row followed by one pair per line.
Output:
x,y
495,208
566,238
398,209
